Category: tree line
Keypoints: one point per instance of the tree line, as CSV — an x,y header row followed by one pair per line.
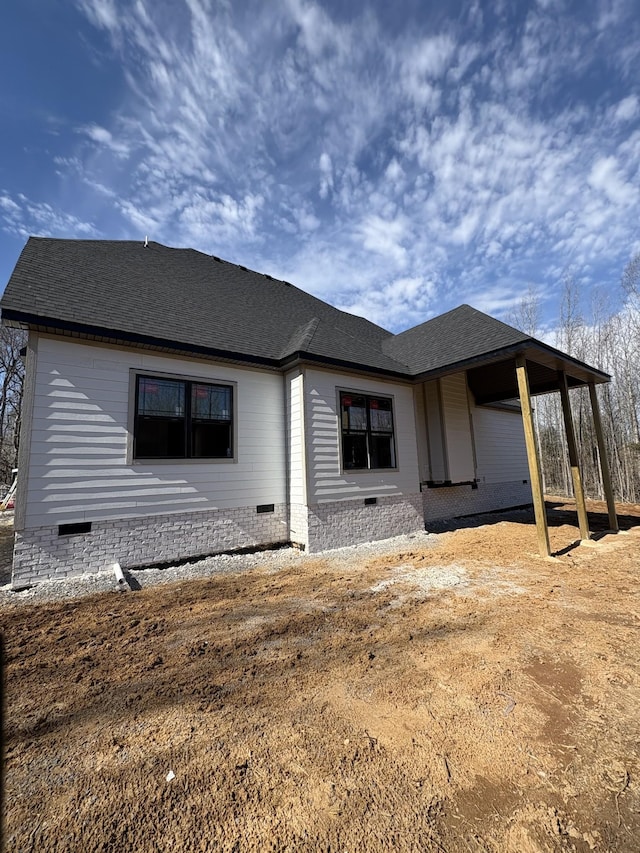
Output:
x,y
12,363
607,338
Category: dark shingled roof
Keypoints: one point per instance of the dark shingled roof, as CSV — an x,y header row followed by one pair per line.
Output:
x,y
181,299
456,336
185,297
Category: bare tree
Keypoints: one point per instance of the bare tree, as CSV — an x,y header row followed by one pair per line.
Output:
x,y
526,316
631,278
608,339
12,342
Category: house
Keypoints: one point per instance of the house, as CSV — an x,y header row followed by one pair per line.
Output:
x,y
178,405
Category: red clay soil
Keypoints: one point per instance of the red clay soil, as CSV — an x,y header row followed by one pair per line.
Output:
x,y
468,696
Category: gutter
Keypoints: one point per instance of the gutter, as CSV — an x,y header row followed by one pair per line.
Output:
x,y
500,355
48,324
291,360
82,331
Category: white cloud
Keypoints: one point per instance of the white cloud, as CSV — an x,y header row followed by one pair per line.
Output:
x,y
318,32
497,300
422,65
307,221
326,174
23,217
104,138
466,228
390,306
627,109
218,220
394,171
385,237
103,13
431,56
9,206
607,177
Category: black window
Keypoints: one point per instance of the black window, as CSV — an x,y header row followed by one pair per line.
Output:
x,y
182,419
367,431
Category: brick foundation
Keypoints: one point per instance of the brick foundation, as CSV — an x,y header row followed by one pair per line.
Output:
x,y
452,501
351,522
40,553
299,524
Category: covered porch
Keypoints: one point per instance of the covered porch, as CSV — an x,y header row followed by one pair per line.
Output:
x,y
521,372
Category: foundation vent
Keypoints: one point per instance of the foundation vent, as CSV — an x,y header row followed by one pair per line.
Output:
x,y
74,529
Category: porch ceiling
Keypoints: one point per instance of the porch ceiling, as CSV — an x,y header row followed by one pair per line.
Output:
x,y
492,378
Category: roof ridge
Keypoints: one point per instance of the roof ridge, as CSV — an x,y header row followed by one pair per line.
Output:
x,y
448,337
437,317
187,249
301,337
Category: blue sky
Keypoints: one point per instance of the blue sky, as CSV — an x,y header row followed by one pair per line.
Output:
x,y
395,159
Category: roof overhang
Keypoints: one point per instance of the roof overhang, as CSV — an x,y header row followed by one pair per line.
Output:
x,y
113,337
492,376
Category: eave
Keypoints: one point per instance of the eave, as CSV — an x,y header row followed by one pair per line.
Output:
x,y
491,376
114,337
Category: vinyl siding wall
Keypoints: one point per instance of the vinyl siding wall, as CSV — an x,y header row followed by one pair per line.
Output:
x,y
500,449
424,467
298,524
78,459
481,443
295,417
79,470
457,424
327,482
434,435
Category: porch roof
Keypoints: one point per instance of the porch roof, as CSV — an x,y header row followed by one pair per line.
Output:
x,y
487,348
492,376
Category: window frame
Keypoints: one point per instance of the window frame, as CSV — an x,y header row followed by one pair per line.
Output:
x,y
189,381
368,395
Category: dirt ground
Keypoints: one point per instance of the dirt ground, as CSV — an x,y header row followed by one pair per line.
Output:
x,y
467,695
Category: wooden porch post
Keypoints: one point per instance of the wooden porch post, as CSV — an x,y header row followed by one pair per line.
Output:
x,y
533,457
604,462
578,491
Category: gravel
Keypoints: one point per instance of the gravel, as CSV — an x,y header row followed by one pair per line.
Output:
x,y
424,579
270,561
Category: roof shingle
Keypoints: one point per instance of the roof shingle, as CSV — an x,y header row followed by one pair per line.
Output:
x,y
456,336
183,299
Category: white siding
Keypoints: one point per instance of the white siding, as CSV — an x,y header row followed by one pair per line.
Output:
x,y
295,412
455,408
421,433
298,519
78,463
500,447
438,468
327,482
496,435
